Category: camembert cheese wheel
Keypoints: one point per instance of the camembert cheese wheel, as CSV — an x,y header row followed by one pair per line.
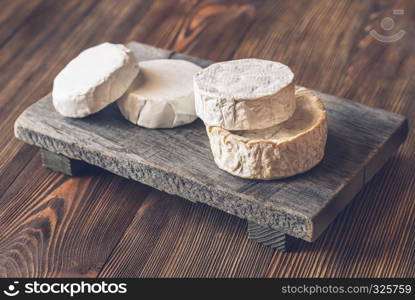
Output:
x,y
284,150
97,77
162,95
245,94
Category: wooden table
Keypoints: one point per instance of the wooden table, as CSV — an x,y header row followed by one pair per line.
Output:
x,y
104,225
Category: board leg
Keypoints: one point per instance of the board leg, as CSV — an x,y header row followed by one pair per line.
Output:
x,y
61,163
269,237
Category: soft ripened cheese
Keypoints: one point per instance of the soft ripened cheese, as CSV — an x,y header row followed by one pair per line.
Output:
x,y
162,95
95,78
283,150
245,94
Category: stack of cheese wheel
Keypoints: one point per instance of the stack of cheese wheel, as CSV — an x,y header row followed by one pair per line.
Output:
x,y
259,124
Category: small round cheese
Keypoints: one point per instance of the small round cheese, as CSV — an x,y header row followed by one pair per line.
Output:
x,y
95,78
162,95
245,94
283,150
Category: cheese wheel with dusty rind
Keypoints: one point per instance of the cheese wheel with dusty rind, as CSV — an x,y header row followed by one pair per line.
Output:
x,y
245,94
284,150
97,77
162,95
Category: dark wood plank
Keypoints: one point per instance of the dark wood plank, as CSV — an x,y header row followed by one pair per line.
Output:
x,y
163,241
302,206
65,227
184,26
13,16
11,170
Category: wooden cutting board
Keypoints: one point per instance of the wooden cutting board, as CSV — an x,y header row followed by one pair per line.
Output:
x,y
179,161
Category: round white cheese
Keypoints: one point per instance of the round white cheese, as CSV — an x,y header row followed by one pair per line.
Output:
x,y
162,95
283,150
95,78
245,94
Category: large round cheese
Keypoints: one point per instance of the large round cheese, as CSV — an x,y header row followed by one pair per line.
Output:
x,y
280,151
162,95
245,94
95,78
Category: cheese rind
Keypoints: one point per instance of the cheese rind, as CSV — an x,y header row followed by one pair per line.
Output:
x,y
284,150
245,94
162,95
95,78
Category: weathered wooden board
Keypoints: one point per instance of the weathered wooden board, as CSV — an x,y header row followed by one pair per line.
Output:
x,y
179,161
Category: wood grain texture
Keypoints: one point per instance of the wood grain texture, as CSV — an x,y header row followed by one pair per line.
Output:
x,y
179,161
328,46
268,237
64,227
